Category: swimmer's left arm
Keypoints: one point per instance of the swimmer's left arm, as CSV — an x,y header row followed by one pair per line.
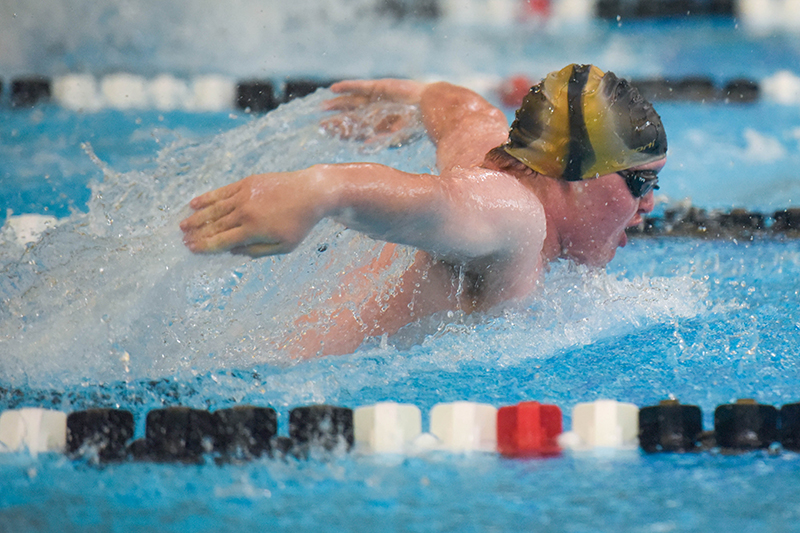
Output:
x,y
458,217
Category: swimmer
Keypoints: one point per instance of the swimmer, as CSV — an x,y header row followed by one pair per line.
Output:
x,y
577,168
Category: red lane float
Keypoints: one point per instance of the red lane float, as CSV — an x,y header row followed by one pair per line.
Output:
x,y
528,429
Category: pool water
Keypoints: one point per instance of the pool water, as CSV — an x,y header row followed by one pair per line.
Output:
x,y
109,309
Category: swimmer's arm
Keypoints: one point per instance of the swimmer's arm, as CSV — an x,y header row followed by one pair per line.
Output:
x,y
462,218
452,218
462,124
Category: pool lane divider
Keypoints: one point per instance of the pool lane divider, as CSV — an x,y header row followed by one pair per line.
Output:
x,y
210,93
104,432
648,9
736,223
123,91
465,426
325,428
670,427
527,429
603,424
746,425
386,427
37,430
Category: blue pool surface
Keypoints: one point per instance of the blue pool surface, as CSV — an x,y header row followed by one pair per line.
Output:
x,y
110,310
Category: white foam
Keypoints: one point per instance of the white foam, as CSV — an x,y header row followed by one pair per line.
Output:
x,y
29,228
113,293
762,148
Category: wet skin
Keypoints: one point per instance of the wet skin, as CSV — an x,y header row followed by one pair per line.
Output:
x,y
486,232
600,211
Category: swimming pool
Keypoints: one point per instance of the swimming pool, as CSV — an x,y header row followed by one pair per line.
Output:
x,y
110,310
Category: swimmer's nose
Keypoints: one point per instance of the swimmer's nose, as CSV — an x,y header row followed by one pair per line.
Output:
x,y
646,204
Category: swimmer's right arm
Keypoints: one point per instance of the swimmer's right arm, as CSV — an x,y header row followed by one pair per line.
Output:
x,y
354,94
459,219
462,124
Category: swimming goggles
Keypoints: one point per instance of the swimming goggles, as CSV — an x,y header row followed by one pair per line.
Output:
x,y
640,182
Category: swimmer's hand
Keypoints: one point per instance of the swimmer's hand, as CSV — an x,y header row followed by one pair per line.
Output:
x,y
264,214
358,93
377,112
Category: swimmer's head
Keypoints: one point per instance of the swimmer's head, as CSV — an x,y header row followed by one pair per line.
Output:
x,y
580,123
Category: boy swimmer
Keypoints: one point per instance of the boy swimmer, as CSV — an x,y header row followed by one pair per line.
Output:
x,y
577,168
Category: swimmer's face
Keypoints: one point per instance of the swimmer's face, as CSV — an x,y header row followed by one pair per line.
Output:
x,y
603,208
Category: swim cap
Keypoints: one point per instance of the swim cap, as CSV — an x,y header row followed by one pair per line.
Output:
x,y
579,123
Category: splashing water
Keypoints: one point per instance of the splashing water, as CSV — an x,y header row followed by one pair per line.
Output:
x,y
113,294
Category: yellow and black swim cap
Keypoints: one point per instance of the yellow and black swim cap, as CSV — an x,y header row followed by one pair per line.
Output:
x,y
579,123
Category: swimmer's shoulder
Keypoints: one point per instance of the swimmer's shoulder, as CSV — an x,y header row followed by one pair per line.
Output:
x,y
504,187
505,202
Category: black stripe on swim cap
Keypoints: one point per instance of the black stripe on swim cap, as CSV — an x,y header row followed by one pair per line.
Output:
x,y
580,154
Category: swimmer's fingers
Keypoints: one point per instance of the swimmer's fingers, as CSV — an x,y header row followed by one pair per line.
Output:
x,y
207,215
214,243
370,127
377,89
211,229
364,87
359,92
231,241
343,125
214,196
348,102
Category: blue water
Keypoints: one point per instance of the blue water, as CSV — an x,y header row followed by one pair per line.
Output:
x,y
110,310
44,168
745,160
743,342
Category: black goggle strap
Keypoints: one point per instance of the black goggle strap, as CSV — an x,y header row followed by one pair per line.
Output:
x,y
640,182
